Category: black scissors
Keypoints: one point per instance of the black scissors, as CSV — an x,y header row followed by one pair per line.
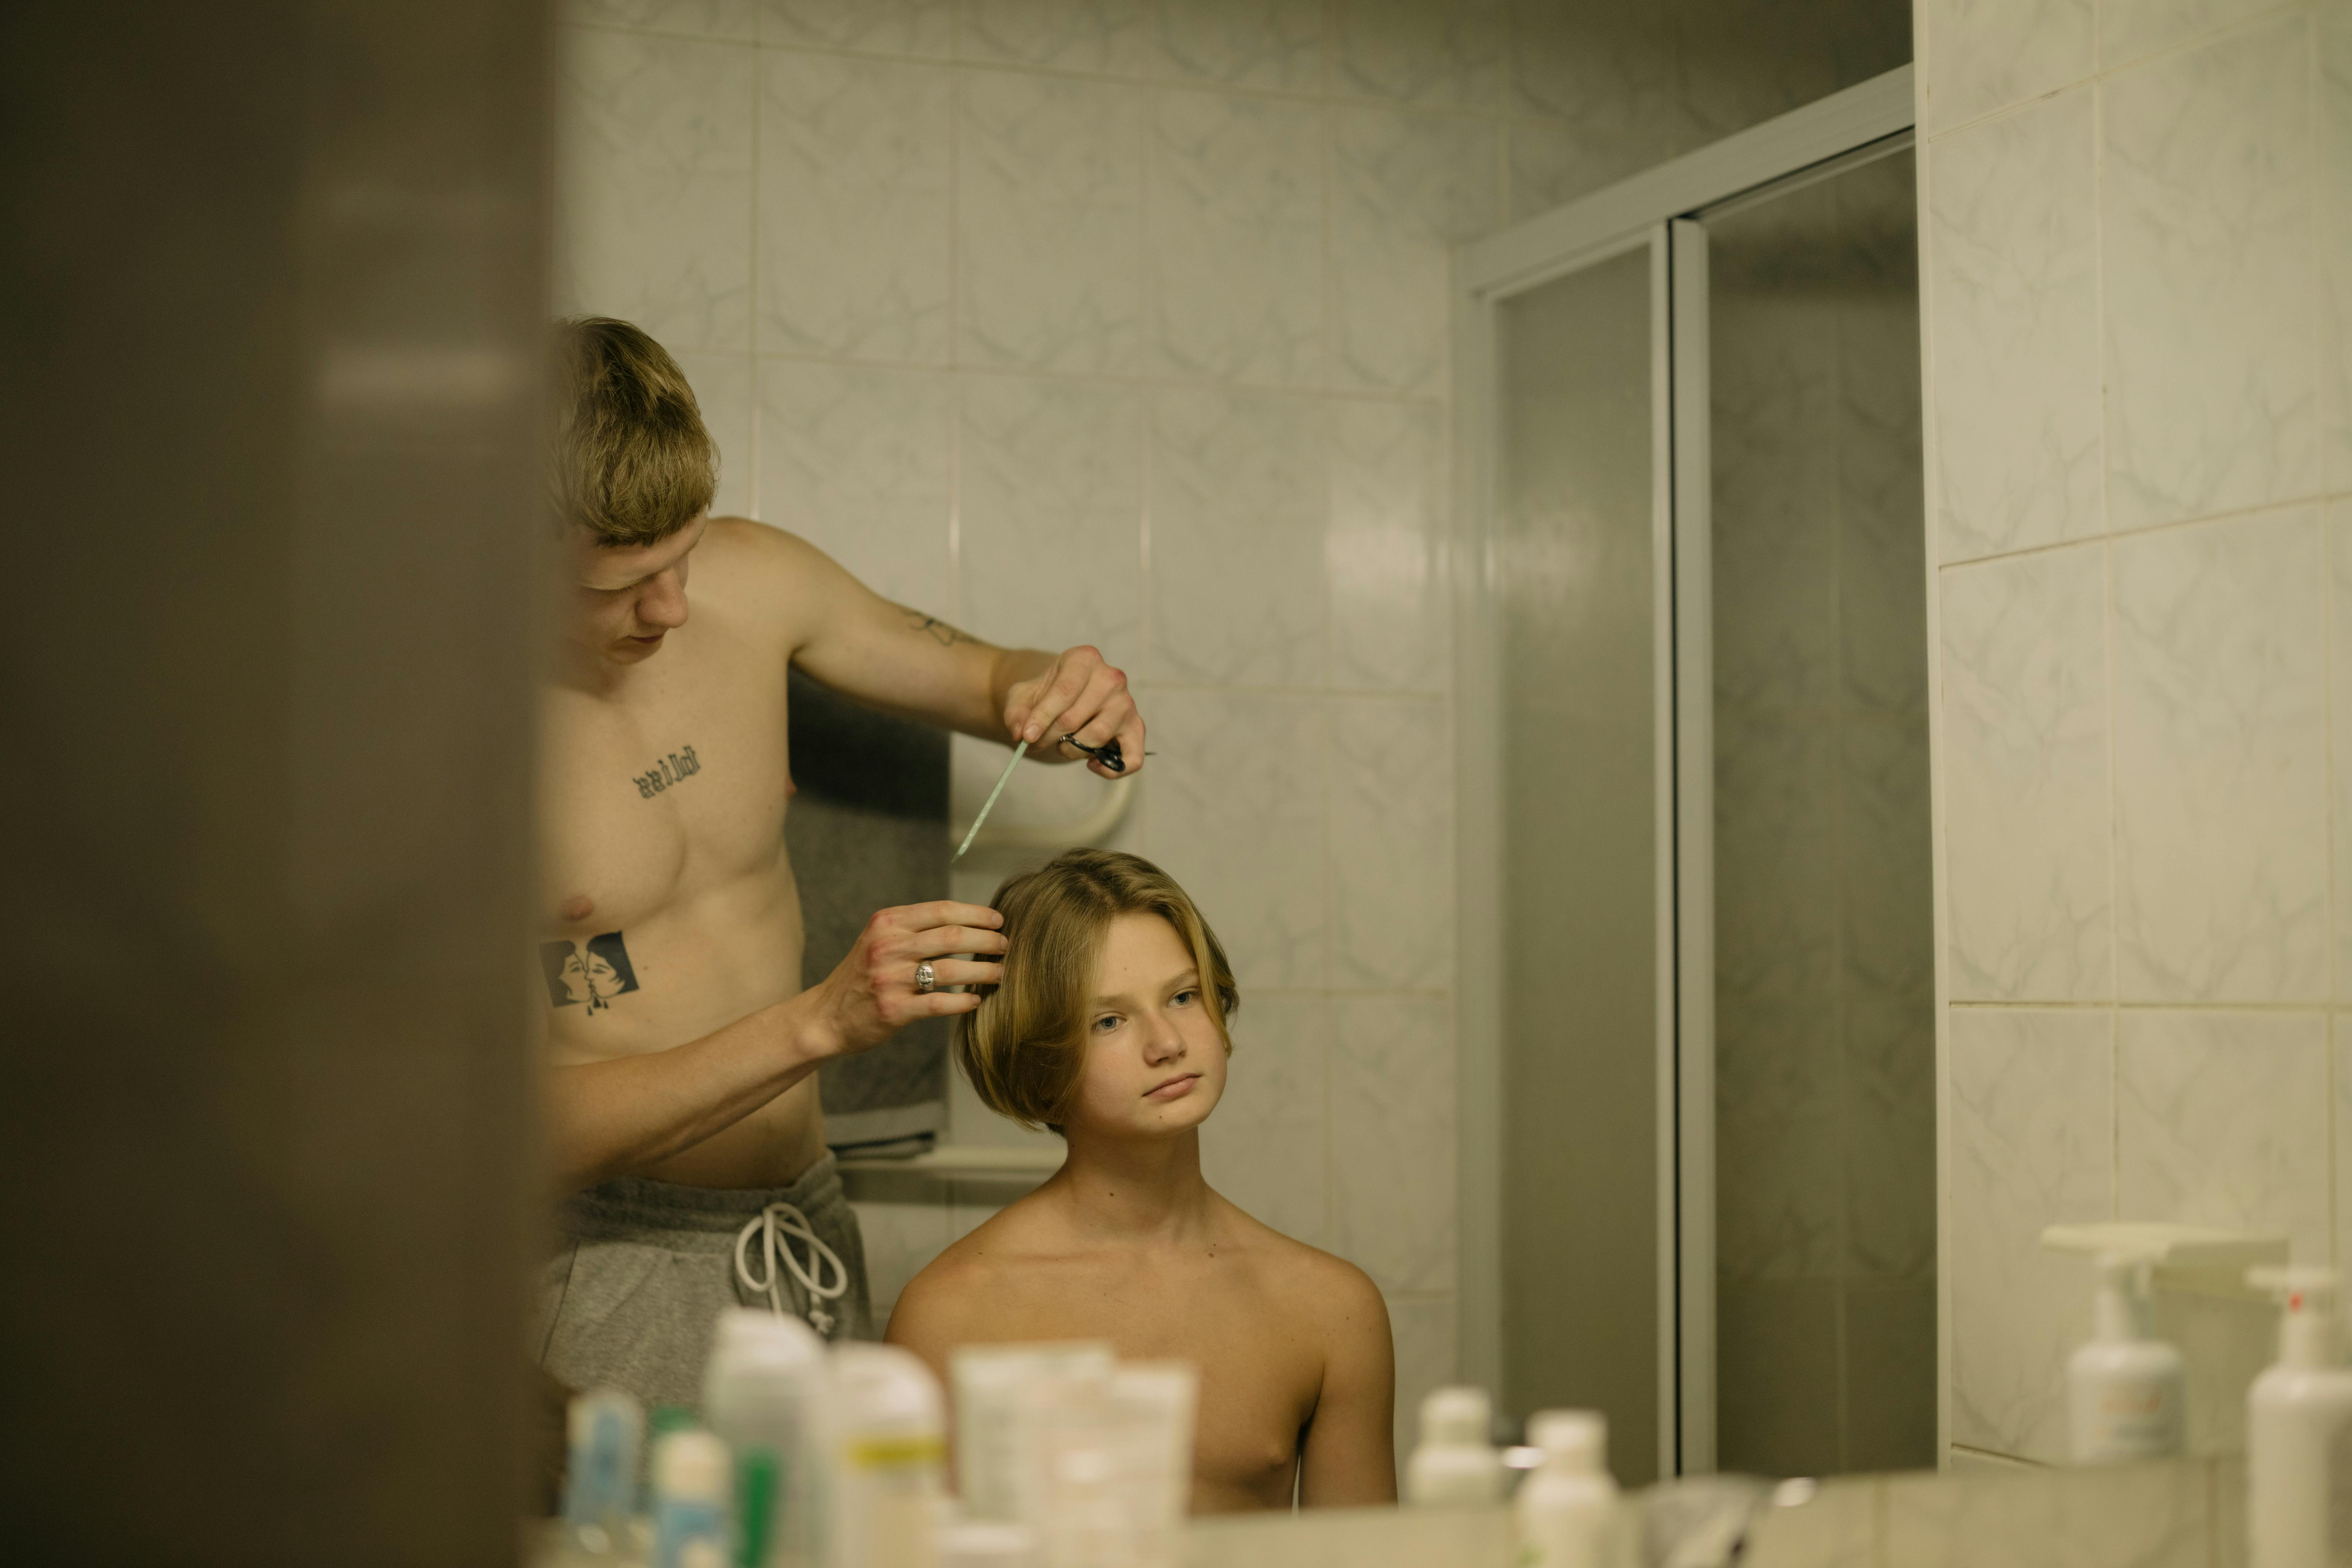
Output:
x,y
1107,754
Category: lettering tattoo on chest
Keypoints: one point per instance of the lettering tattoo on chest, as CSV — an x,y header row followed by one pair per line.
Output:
x,y
937,630
587,975
677,768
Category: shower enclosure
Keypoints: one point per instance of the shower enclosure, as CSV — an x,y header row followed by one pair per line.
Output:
x,y
1698,1024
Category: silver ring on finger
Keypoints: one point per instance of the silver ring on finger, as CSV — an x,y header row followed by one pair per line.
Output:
x,y
926,980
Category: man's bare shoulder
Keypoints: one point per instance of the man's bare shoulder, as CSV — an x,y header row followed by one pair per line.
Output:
x,y
739,556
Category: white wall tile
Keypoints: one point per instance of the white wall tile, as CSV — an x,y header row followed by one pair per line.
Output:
x,y
2010,277
2221,788
2133,29
1392,1141
1050,268
707,18
2221,1120
1448,56
2025,778
855,460
877,27
1236,238
653,185
1275,45
1551,161
1264,1147
1983,54
1406,187
1424,1329
2146,1516
1237,816
1238,509
1386,554
2032,1129
1051,507
2334,181
1097,35
2340,1060
854,206
1391,844
905,1222
2205,202
722,390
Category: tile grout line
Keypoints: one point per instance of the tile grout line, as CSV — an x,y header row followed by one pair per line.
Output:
x,y
2320,499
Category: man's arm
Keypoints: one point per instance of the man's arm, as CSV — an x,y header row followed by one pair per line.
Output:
x,y
1350,1456
621,1117
916,666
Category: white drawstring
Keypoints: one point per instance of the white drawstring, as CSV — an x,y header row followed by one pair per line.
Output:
x,y
789,1220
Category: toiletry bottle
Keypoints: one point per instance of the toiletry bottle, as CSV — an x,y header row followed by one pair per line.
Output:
x,y
890,1429
768,1387
1456,1463
990,1383
2127,1390
2299,1432
600,1481
692,1482
1566,1514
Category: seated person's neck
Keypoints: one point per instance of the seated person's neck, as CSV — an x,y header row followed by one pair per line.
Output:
x,y
1135,1190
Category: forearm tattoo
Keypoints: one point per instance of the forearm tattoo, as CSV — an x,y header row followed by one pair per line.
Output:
x,y
588,973
937,630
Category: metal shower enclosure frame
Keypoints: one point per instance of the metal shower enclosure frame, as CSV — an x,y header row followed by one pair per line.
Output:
x,y
1662,212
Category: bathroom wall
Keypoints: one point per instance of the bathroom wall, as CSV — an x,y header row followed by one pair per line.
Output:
x,y
1074,320
2136,251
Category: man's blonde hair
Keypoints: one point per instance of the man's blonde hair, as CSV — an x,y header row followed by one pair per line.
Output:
x,y
1024,1048
631,462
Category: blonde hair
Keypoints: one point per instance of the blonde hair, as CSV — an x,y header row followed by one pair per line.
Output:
x,y
630,462
1024,1048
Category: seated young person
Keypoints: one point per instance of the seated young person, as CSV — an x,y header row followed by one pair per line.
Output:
x,y
1109,1027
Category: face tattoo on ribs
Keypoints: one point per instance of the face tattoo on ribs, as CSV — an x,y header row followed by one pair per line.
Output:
x,y
590,974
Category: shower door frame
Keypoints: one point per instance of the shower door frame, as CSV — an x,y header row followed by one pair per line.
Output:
x,y
1662,212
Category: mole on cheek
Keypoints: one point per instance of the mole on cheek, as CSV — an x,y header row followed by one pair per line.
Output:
x,y
578,907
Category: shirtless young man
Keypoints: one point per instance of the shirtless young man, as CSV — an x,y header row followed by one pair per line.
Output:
x,y
1110,1026
682,1095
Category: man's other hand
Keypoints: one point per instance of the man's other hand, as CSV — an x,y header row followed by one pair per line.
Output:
x,y
1078,694
871,994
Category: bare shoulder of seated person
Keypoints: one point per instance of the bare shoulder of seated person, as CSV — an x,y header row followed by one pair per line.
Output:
x,y
1109,1026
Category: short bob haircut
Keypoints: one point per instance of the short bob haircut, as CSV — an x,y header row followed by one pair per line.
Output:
x,y
631,461
1023,1048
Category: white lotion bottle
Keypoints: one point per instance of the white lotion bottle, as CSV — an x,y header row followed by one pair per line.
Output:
x,y
2127,1390
2299,1432
1455,1464
1566,1514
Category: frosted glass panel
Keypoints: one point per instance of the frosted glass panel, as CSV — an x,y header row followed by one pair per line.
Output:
x,y
1574,590
1825,1226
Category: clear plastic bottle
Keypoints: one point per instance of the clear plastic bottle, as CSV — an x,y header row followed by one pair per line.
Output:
x,y
2299,1432
1456,1463
693,1482
606,1428
2127,1390
1566,1515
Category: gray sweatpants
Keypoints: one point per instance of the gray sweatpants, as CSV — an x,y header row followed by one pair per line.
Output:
x,y
631,1298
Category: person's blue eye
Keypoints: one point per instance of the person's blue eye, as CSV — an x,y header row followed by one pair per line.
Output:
x,y
1106,1024
1185,998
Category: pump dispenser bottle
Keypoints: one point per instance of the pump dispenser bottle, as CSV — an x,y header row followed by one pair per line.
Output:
x,y
1456,1463
2127,1390
2299,1432
1566,1514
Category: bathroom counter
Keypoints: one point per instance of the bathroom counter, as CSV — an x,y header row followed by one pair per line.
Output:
x,y
2189,1514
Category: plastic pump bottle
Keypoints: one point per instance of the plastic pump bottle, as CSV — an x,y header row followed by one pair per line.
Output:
x,y
2299,1432
2127,1390
1566,1512
1456,1463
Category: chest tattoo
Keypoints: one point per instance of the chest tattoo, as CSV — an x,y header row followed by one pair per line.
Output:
x,y
677,768
587,975
937,630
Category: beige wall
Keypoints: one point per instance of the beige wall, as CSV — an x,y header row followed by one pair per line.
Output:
x,y
2138,258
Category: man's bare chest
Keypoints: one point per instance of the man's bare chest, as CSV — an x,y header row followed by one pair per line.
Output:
x,y
652,804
